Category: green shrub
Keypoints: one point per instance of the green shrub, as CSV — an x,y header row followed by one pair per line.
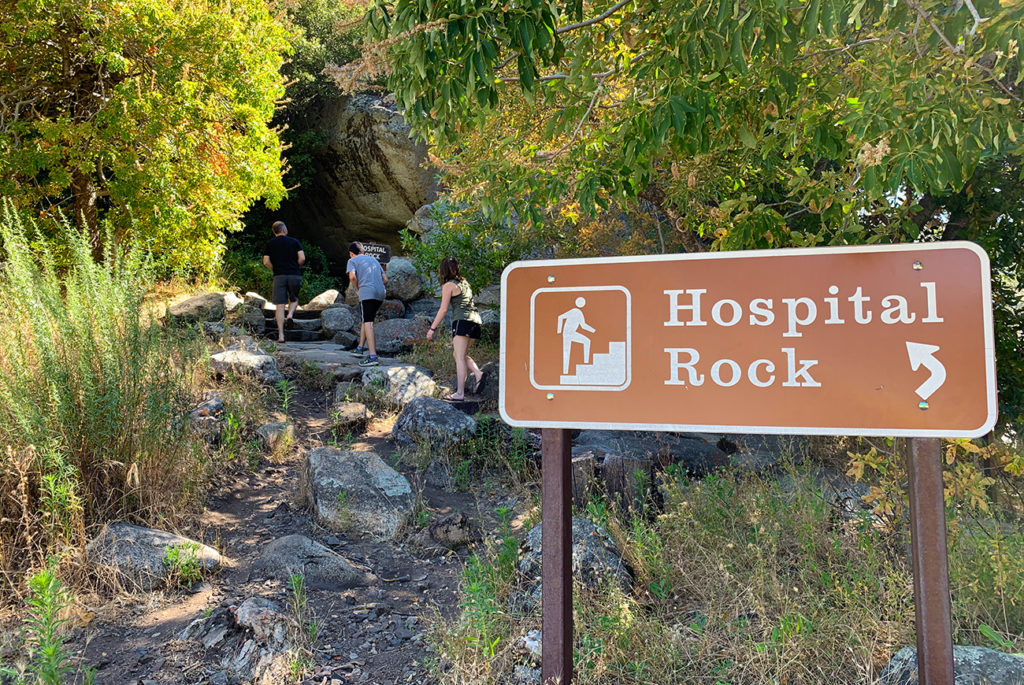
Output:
x,y
183,566
48,660
94,395
482,247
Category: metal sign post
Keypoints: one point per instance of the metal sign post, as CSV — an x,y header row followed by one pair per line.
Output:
x,y
930,563
887,340
556,556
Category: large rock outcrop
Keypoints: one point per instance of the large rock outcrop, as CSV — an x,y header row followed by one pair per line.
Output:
x,y
376,177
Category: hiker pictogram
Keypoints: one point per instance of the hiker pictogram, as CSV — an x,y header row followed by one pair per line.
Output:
x,y
580,338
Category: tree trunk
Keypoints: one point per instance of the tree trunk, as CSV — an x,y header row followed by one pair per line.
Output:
x,y
83,190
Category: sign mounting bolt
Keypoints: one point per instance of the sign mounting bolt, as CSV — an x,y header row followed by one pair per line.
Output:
x,y
918,265
551,279
550,395
922,405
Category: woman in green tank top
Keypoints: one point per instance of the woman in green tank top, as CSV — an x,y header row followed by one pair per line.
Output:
x,y
456,292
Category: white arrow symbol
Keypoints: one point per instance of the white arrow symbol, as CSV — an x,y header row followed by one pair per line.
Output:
x,y
919,354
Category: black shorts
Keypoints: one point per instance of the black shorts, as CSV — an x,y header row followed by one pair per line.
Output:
x,y
286,289
368,309
470,329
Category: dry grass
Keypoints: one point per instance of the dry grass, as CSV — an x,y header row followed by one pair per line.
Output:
x,y
739,580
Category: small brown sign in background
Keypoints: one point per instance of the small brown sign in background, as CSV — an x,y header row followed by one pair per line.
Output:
x,y
878,340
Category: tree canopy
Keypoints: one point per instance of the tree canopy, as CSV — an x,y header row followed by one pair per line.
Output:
x,y
745,124
149,116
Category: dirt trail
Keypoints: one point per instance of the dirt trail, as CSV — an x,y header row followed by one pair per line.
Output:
x,y
374,635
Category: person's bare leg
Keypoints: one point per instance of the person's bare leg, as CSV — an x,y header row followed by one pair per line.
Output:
x,y
371,340
291,309
460,344
279,315
473,368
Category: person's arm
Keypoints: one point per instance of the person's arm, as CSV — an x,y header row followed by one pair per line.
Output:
x,y
353,280
561,322
266,262
446,297
302,257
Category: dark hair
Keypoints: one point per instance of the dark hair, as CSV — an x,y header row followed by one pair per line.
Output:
x,y
355,247
450,270
278,227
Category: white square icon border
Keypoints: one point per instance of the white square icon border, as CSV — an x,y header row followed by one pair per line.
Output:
x,y
629,337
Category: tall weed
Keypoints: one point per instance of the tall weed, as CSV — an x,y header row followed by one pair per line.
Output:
x,y
93,395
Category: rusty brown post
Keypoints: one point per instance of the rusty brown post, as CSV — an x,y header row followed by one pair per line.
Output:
x,y
556,556
930,563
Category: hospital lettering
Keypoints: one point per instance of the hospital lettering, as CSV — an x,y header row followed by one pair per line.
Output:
x,y
694,307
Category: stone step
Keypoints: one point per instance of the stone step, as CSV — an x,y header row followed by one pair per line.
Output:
x,y
302,314
294,335
467,406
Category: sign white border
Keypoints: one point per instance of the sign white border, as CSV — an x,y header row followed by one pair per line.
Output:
x,y
990,365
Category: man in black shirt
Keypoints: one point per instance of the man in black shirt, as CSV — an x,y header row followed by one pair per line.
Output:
x,y
284,256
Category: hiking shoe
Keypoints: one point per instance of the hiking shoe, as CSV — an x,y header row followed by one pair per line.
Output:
x,y
370,361
360,351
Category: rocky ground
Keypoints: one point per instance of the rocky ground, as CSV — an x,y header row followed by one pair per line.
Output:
x,y
373,630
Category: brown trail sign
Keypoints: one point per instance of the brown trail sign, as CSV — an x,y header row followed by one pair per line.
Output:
x,y
892,340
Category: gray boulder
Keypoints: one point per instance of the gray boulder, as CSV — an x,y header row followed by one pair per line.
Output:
x,y
138,554
453,531
425,309
251,642
401,384
216,330
695,453
241,361
489,296
206,420
396,336
321,567
203,307
390,309
322,301
434,420
595,561
254,300
252,318
338,320
345,339
487,391
350,417
357,490
266,620
490,324
232,301
422,221
276,435
404,281
971,666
